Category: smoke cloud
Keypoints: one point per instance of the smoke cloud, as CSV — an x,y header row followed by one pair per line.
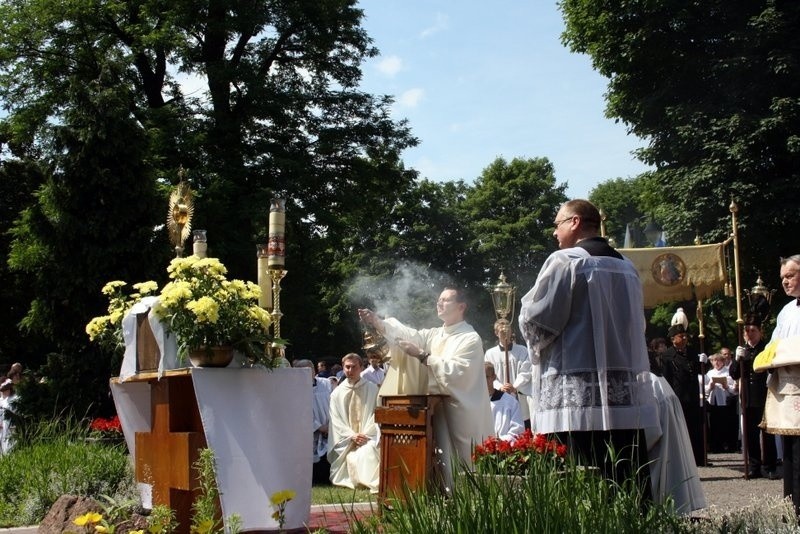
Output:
x,y
409,294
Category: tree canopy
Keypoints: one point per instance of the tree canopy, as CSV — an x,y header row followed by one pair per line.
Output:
x,y
107,101
714,88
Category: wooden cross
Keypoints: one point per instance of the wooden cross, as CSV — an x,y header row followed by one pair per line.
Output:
x,y
166,454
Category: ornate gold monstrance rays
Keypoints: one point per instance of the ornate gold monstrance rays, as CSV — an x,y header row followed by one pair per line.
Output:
x,y
179,215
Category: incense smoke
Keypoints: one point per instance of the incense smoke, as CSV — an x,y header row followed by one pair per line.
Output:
x,y
409,294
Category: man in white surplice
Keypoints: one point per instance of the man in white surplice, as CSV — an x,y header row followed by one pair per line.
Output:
x,y
353,435
584,325
452,363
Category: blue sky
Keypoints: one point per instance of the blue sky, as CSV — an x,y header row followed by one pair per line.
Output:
x,y
481,80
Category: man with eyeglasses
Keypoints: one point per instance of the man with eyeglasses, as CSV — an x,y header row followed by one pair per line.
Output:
x,y
584,325
452,362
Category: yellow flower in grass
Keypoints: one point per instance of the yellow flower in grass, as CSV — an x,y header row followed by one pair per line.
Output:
x,y
89,518
204,527
279,500
282,497
102,529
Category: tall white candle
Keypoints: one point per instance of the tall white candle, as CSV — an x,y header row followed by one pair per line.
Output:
x,y
277,228
264,279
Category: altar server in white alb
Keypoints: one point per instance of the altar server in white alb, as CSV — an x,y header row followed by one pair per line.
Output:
x,y
584,325
320,410
516,381
353,438
452,363
508,422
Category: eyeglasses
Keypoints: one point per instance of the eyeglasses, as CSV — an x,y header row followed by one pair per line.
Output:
x,y
562,221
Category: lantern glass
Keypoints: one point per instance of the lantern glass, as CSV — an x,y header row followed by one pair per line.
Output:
x,y
503,298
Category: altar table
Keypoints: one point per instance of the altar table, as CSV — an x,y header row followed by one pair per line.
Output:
x,y
257,421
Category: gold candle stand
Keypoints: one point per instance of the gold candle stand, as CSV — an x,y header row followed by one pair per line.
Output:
x,y
276,275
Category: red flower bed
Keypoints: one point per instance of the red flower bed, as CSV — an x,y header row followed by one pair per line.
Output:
x,y
495,455
104,425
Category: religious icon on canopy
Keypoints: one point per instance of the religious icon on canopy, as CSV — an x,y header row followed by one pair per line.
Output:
x,y
668,269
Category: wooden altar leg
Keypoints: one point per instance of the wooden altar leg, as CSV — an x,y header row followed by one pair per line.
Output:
x,y
165,455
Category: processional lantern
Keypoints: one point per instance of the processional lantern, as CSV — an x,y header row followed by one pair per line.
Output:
x,y
760,297
503,298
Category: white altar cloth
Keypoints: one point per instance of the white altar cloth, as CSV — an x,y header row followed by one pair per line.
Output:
x,y
258,423
165,340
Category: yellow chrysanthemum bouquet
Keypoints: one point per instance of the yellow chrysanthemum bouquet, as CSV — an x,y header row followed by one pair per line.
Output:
x,y
199,305
106,330
203,308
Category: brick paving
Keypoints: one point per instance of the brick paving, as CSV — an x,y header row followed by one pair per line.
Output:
x,y
335,518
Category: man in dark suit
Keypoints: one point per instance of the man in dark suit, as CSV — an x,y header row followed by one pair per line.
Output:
x,y
680,366
755,395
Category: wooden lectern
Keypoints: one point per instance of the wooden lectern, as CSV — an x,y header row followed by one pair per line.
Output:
x,y
407,443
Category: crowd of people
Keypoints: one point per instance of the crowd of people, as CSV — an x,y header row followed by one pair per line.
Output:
x,y
585,375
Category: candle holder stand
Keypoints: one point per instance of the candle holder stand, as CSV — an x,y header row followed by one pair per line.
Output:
x,y
277,275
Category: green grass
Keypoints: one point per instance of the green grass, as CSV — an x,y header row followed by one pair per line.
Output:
x,y
55,459
549,500
328,494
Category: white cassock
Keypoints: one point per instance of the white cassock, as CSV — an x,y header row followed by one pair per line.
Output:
x,y
353,412
321,406
520,373
673,472
454,368
507,416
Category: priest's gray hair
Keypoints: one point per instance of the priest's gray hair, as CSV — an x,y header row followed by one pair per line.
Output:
x,y
794,258
303,363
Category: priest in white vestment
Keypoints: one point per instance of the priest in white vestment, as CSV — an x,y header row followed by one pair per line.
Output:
x,y
450,359
353,434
